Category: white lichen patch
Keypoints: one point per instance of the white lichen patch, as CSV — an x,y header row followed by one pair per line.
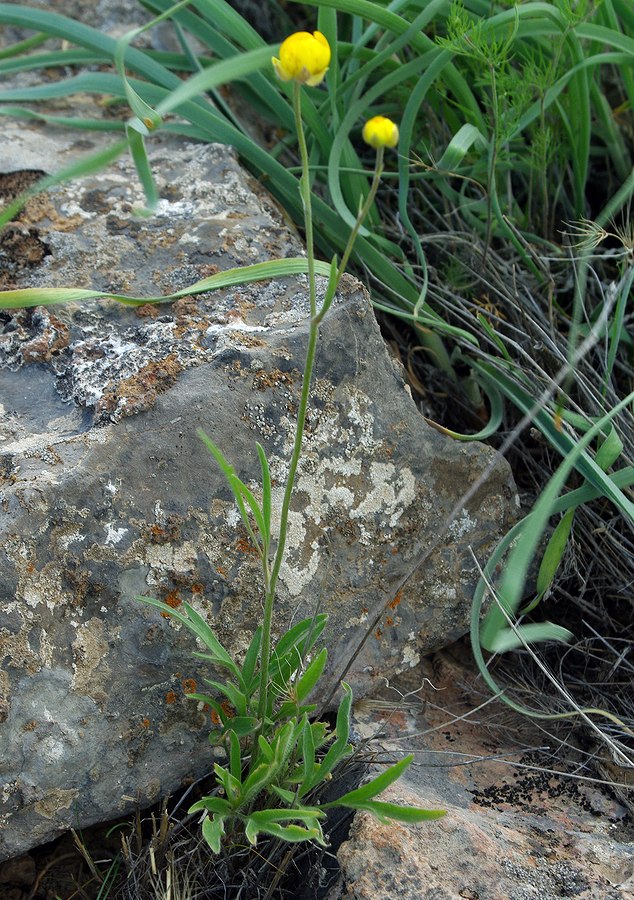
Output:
x,y
462,525
362,421
37,587
73,537
410,657
391,492
357,621
55,801
90,653
331,488
113,534
164,557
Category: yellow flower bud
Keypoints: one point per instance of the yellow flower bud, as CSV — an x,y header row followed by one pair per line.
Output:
x,y
380,132
304,58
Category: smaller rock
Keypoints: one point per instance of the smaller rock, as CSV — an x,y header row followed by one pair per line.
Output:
x,y
524,833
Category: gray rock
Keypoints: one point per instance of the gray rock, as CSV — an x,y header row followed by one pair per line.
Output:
x,y
515,828
106,492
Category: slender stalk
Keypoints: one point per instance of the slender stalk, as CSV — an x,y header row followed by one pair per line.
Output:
x,y
305,193
270,582
492,162
271,586
341,268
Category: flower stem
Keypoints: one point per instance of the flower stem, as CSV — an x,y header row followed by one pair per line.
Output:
x,y
271,586
313,334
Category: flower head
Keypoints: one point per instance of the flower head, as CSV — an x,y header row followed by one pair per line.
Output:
x,y
303,58
380,132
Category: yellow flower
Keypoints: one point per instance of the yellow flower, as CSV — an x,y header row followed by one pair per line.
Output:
x,y
380,132
304,58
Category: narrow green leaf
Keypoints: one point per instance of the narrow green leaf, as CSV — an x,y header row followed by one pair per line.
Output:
x,y
265,749
467,137
211,804
554,553
292,834
27,297
250,661
513,638
292,708
197,625
257,780
241,491
311,676
232,786
375,786
308,754
213,76
610,450
202,630
244,725
340,747
295,635
235,757
235,696
385,811
143,168
284,795
270,821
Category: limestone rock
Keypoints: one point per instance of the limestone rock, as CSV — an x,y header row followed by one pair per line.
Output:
x,y
515,829
106,493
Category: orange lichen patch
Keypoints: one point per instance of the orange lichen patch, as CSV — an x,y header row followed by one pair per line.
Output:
x,y
243,545
170,697
189,685
52,335
139,392
145,723
397,599
147,311
228,709
276,377
185,309
172,600
166,533
198,588
389,621
221,571
378,634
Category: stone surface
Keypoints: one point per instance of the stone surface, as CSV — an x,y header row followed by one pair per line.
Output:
x,y
522,823
106,492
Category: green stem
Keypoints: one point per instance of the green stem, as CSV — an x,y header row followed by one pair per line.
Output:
x,y
270,588
313,334
305,193
333,284
492,195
